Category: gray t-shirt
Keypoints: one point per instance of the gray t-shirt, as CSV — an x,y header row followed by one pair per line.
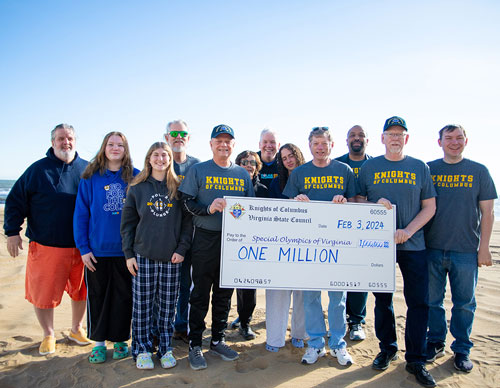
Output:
x,y
354,164
404,183
321,183
206,181
459,187
181,169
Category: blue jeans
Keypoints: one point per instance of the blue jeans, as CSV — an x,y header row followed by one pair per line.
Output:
x,y
461,269
181,314
413,266
315,323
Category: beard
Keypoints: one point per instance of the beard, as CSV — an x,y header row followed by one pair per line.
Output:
x,y
65,155
179,148
357,147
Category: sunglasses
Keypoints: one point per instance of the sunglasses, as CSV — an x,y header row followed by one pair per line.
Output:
x,y
320,129
177,133
245,162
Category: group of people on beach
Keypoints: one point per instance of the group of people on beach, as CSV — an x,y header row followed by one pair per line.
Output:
x,y
139,251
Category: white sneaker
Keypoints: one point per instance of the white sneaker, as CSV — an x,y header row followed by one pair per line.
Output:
x,y
343,357
356,333
312,354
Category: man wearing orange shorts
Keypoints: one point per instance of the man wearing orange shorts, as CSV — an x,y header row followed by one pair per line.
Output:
x,y
45,194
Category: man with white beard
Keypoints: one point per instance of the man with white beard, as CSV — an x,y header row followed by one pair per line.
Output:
x,y
177,137
45,194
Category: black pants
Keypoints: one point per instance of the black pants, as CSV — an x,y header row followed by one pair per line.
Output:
x,y
246,302
109,300
205,261
413,266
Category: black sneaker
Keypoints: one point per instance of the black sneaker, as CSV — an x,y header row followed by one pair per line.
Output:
x,y
421,374
223,351
463,363
383,360
247,333
434,350
196,359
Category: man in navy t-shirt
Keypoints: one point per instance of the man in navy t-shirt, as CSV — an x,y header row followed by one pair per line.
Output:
x,y
395,178
457,242
269,146
323,179
203,189
177,137
357,141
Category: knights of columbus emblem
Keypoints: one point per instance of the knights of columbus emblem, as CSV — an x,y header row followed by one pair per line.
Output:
x,y
237,210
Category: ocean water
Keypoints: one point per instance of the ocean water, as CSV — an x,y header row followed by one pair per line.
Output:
x,y
5,186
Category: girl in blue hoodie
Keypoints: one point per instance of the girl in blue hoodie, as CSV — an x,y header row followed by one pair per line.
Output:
x,y
96,224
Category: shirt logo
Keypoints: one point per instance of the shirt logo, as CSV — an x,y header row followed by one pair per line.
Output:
x,y
115,197
159,205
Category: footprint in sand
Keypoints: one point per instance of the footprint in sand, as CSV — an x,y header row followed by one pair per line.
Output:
x,y
22,338
245,367
183,380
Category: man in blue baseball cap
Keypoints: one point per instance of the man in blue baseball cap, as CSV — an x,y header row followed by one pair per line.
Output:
x,y
398,179
203,189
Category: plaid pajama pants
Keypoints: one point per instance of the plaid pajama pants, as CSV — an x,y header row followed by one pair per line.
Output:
x,y
156,282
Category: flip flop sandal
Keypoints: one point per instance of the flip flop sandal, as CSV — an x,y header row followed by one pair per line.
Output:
x,y
98,355
120,350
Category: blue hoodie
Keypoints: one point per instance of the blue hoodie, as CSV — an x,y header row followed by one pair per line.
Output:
x,y
98,212
45,194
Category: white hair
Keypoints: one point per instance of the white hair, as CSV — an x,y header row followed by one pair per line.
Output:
x,y
269,130
61,126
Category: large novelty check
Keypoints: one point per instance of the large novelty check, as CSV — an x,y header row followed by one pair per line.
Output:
x,y
286,244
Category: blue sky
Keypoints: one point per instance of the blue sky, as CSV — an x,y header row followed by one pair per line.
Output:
x,y
291,65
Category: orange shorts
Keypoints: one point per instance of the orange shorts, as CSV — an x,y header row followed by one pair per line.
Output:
x,y
50,271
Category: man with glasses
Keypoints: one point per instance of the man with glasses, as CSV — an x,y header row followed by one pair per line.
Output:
x,y
337,186
356,301
397,179
465,196
203,190
177,137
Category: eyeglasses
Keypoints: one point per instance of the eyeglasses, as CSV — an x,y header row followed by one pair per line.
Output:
x,y
396,135
320,129
245,162
177,133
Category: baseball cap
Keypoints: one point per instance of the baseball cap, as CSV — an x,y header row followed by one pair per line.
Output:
x,y
222,128
395,121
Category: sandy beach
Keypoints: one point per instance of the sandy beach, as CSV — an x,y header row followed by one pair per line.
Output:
x,y
22,366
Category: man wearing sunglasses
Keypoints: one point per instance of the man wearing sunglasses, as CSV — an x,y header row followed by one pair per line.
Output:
x,y
395,178
177,137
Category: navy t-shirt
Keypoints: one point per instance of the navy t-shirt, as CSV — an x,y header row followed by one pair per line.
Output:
x,y
460,187
268,172
404,183
207,181
354,164
181,169
321,183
